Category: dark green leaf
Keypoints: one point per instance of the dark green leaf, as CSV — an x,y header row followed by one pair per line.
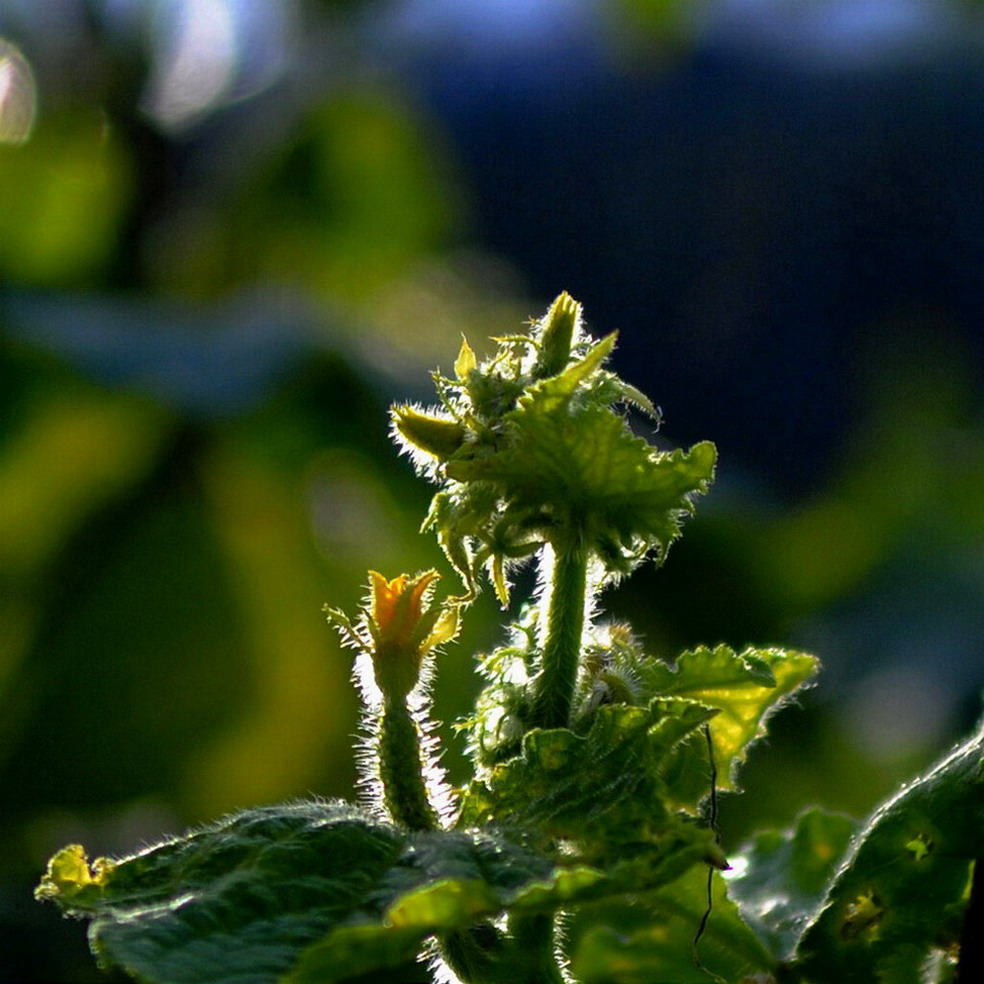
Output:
x,y
316,892
235,901
897,898
780,878
603,788
241,900
650,940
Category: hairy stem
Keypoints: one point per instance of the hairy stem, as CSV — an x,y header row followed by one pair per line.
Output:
x,y
533,936
401,768
482,955
475,955
554,686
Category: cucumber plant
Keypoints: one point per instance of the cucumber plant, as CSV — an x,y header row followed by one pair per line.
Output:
x,y
583,845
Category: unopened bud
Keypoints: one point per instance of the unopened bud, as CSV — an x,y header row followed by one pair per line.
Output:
x,y
437,436
559,325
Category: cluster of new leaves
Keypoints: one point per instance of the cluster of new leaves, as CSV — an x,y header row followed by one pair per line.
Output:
x,y
528,444
596,765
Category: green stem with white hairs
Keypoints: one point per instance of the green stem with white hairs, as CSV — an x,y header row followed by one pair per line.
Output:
x,y
401,768
553,688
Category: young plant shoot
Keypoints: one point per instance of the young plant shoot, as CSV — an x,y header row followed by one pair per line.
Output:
x,y
583,846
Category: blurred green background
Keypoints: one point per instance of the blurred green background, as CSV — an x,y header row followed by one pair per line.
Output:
x,y
232,232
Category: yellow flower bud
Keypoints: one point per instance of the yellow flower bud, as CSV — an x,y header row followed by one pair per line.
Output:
x,y
404,628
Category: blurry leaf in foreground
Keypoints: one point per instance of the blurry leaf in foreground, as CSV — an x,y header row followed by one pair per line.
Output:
x,y
65,196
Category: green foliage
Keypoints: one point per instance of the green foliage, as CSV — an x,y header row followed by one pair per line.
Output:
x,y
602,790
651,938
744,688
880,902
900,894
783,875
596,765
318,889
522,456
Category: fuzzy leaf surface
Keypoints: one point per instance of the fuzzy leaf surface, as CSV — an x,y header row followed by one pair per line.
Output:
x,y
244,900
564,456
902,889
235,902
317,892
601,788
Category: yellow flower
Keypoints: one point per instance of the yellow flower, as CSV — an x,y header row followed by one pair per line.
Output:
x,y
405,626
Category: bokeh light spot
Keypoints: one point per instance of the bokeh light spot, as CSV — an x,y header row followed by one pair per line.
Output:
x,y
196,63
18,95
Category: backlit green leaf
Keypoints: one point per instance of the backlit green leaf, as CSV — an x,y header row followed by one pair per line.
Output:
x,y
317,892
236,901
745,688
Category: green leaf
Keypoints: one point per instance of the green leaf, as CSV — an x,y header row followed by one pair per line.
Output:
x,y
745,688
242,900
436,436
779,879
564,456
235,901
557,330
316,892
445,905
898,897
602,789
649,939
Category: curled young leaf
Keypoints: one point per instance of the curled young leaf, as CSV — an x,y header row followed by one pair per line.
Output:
x,y
431,434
